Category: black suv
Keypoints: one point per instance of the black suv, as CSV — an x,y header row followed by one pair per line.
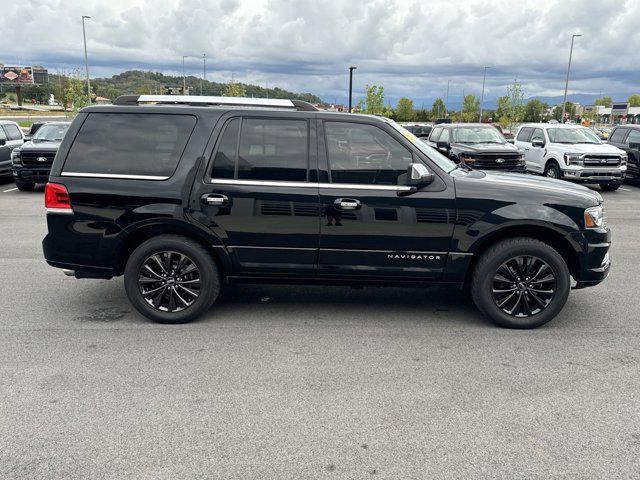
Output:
x,y
478,145
627,138
183,198
31,162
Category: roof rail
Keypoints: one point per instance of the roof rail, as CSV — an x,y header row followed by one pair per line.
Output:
x,y
210,100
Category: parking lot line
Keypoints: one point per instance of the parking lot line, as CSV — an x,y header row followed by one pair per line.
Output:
x,y
625,189
10,190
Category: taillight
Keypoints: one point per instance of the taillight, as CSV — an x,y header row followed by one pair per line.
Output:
x,y
56,198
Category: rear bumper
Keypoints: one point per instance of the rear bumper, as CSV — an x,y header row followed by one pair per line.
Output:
x,y
57,260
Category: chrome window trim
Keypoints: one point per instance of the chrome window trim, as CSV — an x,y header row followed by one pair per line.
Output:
x,y
113,175
270,183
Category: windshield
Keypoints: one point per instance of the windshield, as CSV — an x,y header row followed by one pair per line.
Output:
x,y
477,135
443,162
51,132
572,135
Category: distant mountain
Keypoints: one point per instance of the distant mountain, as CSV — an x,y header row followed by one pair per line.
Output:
x,y
138,82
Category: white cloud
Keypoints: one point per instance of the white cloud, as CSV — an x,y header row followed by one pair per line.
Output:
x,y
412,47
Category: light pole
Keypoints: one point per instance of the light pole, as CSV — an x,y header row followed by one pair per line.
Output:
x,y
484,78
86,61
184,79
351,69
446,101
566,83
204,71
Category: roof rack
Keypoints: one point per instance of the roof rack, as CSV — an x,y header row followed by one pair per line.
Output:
x,y
210,100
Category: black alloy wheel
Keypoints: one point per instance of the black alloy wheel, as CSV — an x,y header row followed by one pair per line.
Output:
x,y
169,281
523,286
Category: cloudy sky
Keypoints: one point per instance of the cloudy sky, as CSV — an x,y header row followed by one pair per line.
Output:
x,y
412,47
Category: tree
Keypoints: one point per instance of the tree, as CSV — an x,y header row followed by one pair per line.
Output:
x,y
470,108
423,115
634,100
534,111
373,103
510,106
404,110
437,109
235,89
604,101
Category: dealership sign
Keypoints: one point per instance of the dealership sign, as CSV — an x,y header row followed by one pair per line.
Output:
x,y
23,75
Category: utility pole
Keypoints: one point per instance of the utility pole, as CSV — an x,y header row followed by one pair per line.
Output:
x,y
204,71
86,61
184,79
566,83
446,101
484,78
351,69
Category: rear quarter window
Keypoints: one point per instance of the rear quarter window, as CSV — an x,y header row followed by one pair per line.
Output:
x,y
13,131
143,144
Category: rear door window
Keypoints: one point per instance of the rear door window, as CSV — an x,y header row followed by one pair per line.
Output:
x,y
141,144
3,136
273,149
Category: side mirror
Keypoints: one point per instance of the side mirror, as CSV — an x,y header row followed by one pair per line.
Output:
x,y
537,142
634,145
2,142
511,141
418,175
442,146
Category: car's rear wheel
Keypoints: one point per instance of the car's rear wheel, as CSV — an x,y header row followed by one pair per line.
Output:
x,y
609,187
171,279
25,186
520,283
552,170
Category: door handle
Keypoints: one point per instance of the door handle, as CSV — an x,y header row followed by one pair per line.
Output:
x,y
347,204
214,199
526,149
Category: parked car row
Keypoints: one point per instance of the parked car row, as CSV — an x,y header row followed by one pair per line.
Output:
x,y
28,158
569,152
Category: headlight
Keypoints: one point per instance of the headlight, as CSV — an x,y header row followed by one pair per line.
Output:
x,y
594,217
623,159
15,156
573,158
520,159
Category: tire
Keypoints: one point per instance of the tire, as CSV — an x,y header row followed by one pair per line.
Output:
x,y
169,252
25,186
609,187
487,291
552,170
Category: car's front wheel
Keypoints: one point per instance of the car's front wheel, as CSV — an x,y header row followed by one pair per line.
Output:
x,y
171,279
552,170
520,283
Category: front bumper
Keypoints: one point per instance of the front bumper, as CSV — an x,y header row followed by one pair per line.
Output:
x,y
31,174
595,175
594,259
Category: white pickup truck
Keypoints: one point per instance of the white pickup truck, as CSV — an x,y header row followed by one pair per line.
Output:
x,y
571,152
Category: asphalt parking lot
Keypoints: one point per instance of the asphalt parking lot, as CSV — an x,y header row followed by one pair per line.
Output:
x,y
312,382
